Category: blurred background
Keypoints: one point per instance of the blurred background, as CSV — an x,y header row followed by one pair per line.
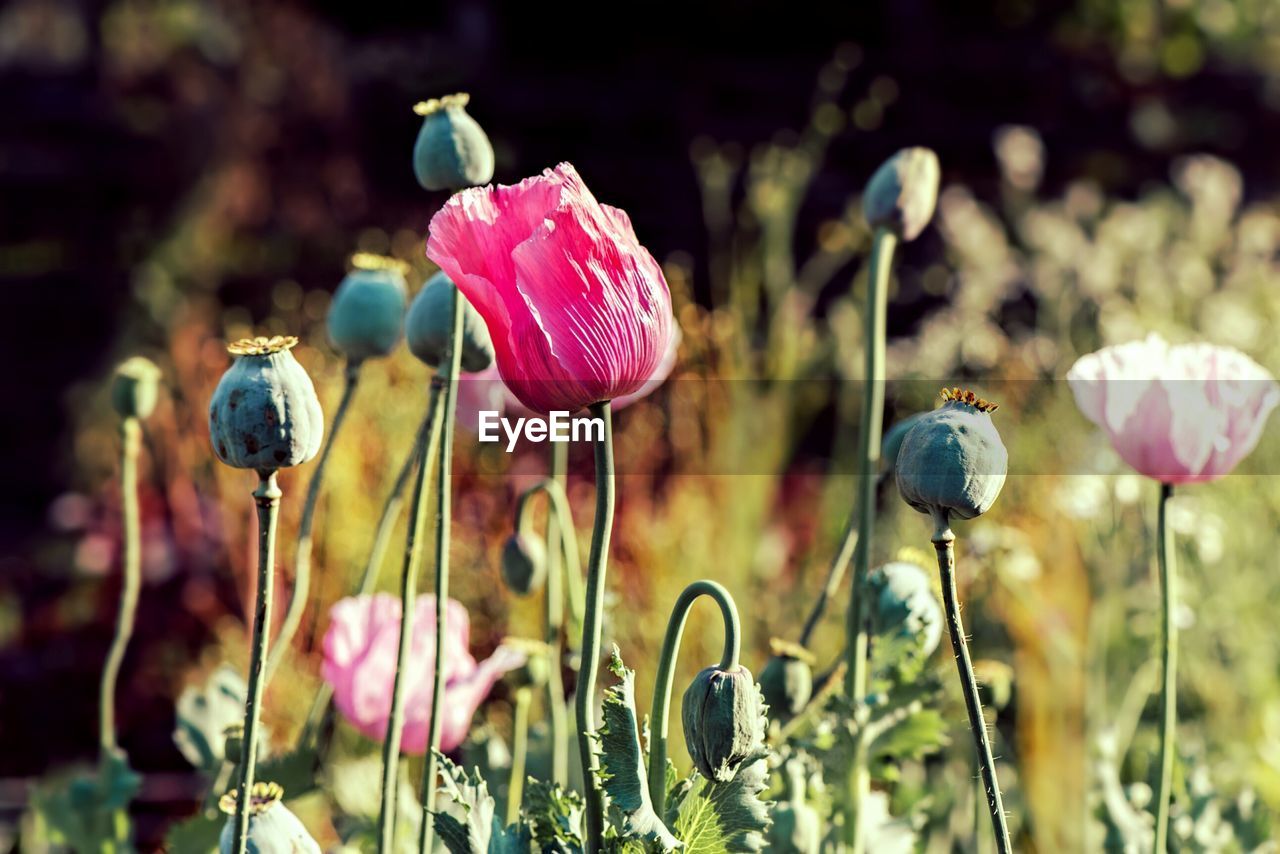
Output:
x,y
175,174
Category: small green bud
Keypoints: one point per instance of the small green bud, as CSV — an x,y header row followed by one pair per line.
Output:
x,y
953,461
904,606
366,316
452,150
724,721
430,323
134,388
902,193
264,414
273,828
524,563
786,682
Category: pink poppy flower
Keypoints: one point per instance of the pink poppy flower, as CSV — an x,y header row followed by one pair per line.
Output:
x,y
578,310
1178,414
360,663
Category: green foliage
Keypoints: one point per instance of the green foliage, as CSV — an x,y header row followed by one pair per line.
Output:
x,y
468,822
89,812
718,818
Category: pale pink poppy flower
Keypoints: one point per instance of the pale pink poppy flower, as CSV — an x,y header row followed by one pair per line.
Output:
x,y
579,312
360,663
1179,414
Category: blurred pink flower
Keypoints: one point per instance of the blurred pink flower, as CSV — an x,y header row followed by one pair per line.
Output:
x,y
578,310
1178,414
360,664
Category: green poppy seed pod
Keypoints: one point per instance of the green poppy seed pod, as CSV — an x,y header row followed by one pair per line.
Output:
x,y
452,150
430,323
273,828
797,827
786,682
902,193
724,722
264,414
952,462
892,442
366,316
903,605
135,387
524,564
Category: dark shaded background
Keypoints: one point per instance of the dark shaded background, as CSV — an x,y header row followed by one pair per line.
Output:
x,y
297,119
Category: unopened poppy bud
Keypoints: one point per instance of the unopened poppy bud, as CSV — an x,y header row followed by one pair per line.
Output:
x,y
724,722
366,317
903,605
524,563
902,193
952,462
273,828
430,324
135,387
264,414
452,150
786,682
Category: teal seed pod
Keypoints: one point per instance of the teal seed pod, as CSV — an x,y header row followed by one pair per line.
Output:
x,y
264,414
724,722
452,150
952,462
524,564
797,827
273,828
903,606
892,442
430,323
903,192
366,316
786,682
135,387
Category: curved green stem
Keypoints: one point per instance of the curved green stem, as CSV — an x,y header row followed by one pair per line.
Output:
x,y
267,498
408,596
561,542
444,505
943,544
130,440
593,621
519,752
1169,667
302,554
660,713
859,780
381,541
569,539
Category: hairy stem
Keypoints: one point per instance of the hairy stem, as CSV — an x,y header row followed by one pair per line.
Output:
x,y
1169,666
130,440
659,715
267,498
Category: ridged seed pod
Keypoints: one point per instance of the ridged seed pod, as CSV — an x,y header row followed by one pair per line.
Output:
x,y
273,828
366,316
452,150
786,682
430,323
952,461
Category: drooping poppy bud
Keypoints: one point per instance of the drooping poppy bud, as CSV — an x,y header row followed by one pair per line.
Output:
x,y
724,721
135,387
452,150
366,317
430,323
786,682
273,828
952,462
524,563
903,606
902,193
264,414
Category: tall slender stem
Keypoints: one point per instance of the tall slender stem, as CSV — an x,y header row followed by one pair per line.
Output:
x,y
408,596
130,440
429,431
859,780
943,544
569,533
519,752
1169,667
659,716
302,554
592,627
444,506
267,498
